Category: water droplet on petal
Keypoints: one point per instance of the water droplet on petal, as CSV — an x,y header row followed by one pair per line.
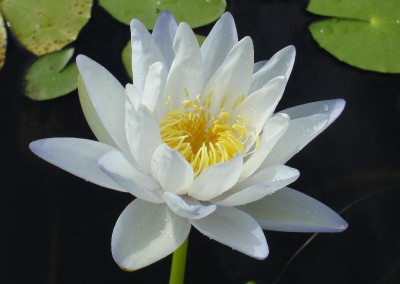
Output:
x,y
162,232
326,107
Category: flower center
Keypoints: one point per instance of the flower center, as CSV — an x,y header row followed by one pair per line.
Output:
x,y
202,138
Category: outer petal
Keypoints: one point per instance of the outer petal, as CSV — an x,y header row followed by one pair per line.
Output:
x,y
142,133
258,186
163,34
218,43
188,207
281,64
107,96
135,182
92,117
185,78
233,77
299,133
272,132
145,233
258,65
77,156
216,179
236,229
145,52
154,88
292,211
171,169
260,105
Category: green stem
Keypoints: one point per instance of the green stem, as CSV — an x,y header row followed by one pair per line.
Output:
x,y
178,265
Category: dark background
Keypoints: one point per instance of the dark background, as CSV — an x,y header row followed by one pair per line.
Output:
x,y
56,228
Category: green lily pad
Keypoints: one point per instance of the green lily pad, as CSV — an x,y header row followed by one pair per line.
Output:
x,y
44,26
3,41
364,33
194,12
50,76
126,55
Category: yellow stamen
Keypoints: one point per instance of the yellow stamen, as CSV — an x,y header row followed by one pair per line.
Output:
x,y
203,138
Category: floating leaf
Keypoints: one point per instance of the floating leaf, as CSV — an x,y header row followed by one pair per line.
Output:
x,y
50,76
364,33
44,26
3,41
194,12
126,55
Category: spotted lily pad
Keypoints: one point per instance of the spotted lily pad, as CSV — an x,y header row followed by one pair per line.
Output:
x,y
3,42
50,76
126,55
363,33
44,26
194,12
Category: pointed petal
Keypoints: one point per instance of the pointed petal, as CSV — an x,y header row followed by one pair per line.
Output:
x,y
233,77
132,93
134,181
107,96
186,74
261,184
289,210
299,133
154,88
218,43
142,133
236,229
260,105
187,207
216,179
171,170
281,64
76,156
92,117
145,52
272,132
258,65
145,233
163,34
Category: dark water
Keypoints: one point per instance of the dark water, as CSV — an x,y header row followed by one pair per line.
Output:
x,y
57,228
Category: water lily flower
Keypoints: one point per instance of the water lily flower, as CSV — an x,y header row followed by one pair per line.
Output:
x,y
196,141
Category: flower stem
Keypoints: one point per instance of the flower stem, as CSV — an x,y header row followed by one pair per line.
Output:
x,y
178,265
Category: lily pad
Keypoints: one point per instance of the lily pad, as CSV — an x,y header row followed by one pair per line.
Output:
x,y
126,55
194,12
3,41
364,33
44,26
50,76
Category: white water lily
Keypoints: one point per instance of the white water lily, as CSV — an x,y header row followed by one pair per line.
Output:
x,y
194,138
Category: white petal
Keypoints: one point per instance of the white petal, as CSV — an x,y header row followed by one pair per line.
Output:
x,y
216,179
134,181
92,117
272,132
107,96
292,211
142,133
258,65
281,64
145,52
260,105
145,233
218,43
232,79
187,207
263,183
163,34
299,133
171,169
77,156
154,88
133,94
186,74
236,229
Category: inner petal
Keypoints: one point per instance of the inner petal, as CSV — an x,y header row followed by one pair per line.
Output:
x,y
201,137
